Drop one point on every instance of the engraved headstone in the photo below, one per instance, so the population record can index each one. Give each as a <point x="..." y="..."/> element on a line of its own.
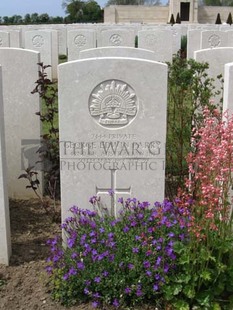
<point x="213" y="39"/>
<point x="158" y="41"/>
<point x="116" y="37"/>
<point x="42" y="41"/>
<point x="118" y="52"/>
<point x="5" y="239"/>
<point x="22" y="126"/>
<point x="79" y="40"/>
<point x="112" y="137"/>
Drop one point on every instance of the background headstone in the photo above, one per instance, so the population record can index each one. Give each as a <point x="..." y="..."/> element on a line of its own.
<point x="213" y="39"/>
<point x="113" y="135"/>
<point x="79" y="40"/>
<point x="116" y="37"/>
<point x="158" y="41"/>
<point x="41" y="41"/>
<point x="5" y="239"/>
<point x="228" y="88"/>
<point x="118" y="52"/>
<point x="216" y="58"/>
<point x="22" y="126"/>
<point x="4" y="39"/>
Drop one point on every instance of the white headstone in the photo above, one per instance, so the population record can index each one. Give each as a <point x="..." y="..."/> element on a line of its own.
<point x="216" y="58"/>
<point x="110" y="51"/>
<point x="79" y="40"/>
<point x="159" y="41"/>
<point x="116" y="37"/>
<point x="4" y="39"/>
<point x="113" y="135"/>
<point x="193" y="42"/>
<point x="5" y="239"/>
<point x="213" y="39"/>
<point x="41" y="41"/>
<point x="228" y="89"/>
<point x="15" y="38"/>
<point x="22" y="126"/>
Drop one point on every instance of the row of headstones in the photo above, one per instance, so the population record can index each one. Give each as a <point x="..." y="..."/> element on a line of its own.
<point x="163" y="40"/>
<point x="112" y="116"/>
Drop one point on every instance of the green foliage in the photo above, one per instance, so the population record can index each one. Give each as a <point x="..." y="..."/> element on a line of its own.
<point x="33" y="18"/>
<point x="49" y="149"/>
<point x="218" y="20"/>
<point x="189" y="90"/>
<point x="172" y="20"/>
<point x="229" y="19"/>
<point x="83" y="11"/>
<point x="178" y="20"/>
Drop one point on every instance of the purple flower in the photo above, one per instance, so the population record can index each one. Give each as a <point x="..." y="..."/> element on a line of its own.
<point x="139" y="292"/>
<point x="65" y="277"/>
<point x="127" y="290"/>
<point x="148" y="273"/>
<point x="125" y="229"/>
<point x="97" y="279"/>
<point x="155" y="287"/>
<point x="80" y="265"/>
<point x="70" y="242"/>
<point x="133" y="224"/>
<point x="116" y="303"/>
<point x="111" y="192"/>
<point x="171" y="235"/>
<point x="135" y="250"/>
<point x="105" y="273"/>
<point x="146" y="264"/>
<point x="95" y="304"/>
<point x="74" y="255"/>
<point x="102" y="230"/>
<point x="86" y="291"/>
<point x="96" y="295"/>
<point x="110" y="235"/>
<point x="72" y="271"/>
<point x="49" y="269"/>
<point x="130" y="266"/>
<point x="92" y="233"/>
<point x="158" y="261"/>
<point x="121" y="200"/>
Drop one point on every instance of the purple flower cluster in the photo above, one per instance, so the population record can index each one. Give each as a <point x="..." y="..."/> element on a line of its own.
<point x="121" y="260"/>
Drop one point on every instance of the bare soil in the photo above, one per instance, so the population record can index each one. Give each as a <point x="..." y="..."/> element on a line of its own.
<point x="23" y="283"/>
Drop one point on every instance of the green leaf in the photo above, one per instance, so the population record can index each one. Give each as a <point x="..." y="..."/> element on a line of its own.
<point x="189" y="291"/>
<point x="181" y="305"/>
<point x="206" y="275"/>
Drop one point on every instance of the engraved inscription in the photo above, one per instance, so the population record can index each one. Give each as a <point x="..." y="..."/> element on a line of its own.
<point x="38" y="41"/>
<point x="113" y="104"/>
<point x="115" y="40"/>
<point x="1" y="42"/>
<point x="214" y="40"/>
<point x="80" y="40"/>
<point x="151" y="39"/>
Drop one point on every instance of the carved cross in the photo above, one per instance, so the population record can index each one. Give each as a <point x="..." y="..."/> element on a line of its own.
<point x="115" y="190"/>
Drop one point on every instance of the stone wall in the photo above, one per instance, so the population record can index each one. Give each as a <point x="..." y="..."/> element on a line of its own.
<point x="136" y="14"/>
<point x="159" y="14"/>
<point x="208" y="14"/>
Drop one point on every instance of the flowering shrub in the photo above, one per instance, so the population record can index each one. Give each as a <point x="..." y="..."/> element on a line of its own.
<point x="119" y="262"/>
<point x="206" y="262"/>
